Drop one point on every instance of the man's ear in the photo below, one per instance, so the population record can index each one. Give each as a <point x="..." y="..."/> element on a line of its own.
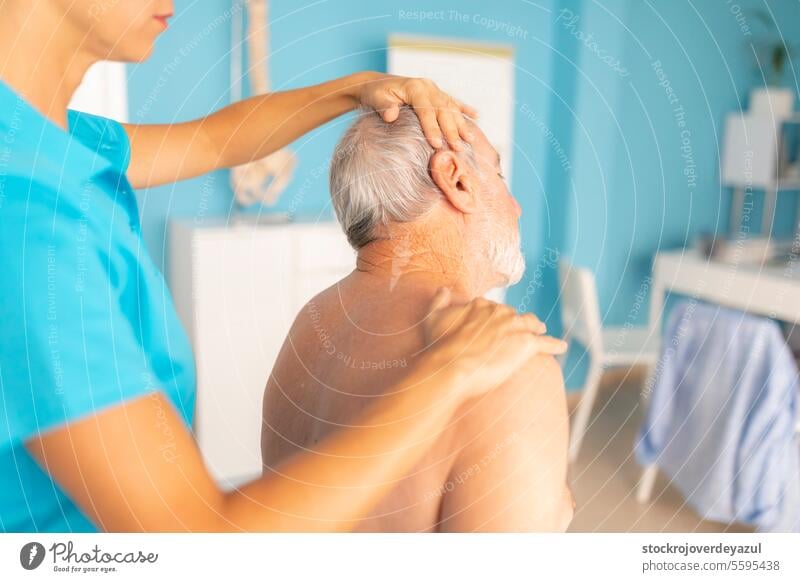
<point x="451" y="174"/>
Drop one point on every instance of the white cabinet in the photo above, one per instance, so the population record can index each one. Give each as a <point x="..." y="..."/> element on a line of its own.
<point x="237" y="289"/>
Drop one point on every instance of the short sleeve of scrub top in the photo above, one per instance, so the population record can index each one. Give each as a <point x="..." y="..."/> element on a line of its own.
<point x="87" y="320"/>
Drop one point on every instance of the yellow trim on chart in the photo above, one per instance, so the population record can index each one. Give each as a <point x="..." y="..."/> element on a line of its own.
<point x="430" y="43"/>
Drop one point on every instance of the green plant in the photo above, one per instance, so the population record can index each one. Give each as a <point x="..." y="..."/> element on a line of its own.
<point x="773" y="50"/>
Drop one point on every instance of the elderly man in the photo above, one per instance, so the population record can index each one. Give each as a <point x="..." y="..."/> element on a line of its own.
<point x="421" y="219"/>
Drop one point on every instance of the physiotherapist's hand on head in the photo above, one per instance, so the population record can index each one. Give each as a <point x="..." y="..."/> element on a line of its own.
<point x="440" y="115"/>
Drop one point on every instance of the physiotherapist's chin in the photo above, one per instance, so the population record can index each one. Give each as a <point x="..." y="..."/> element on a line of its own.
<point x="137" y="47"/>
<point x="135" y="54"/>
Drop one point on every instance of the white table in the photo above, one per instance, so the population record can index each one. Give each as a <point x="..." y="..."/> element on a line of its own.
<point x="770" y="290"/>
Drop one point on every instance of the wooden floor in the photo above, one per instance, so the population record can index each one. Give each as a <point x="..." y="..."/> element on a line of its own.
<point x="605" y="475"/>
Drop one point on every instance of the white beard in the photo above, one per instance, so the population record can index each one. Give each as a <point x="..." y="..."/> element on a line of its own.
<point x="505" y="255"/>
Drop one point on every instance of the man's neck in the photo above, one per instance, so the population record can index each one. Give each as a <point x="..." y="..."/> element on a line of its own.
<point x="42" y="58"/>
<point x="430" y="260"/>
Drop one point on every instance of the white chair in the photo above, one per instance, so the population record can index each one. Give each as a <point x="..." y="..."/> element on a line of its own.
<point x="611" y="347"/>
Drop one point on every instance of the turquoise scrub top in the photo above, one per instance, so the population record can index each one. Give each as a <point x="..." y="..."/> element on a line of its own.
<point x="86" y="319"/>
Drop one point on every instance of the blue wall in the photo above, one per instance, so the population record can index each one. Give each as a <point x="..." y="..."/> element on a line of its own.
<point x="186" y="77"/>
<point x="639" y="180"/>
<point x="598" y="163"/>
<point x="644" y="181"/>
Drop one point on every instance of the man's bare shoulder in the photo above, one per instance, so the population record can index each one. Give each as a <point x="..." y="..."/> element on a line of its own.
<point x="511" y="464"/>
<point x="536" y="388"/>
<point x="316" y="315"/>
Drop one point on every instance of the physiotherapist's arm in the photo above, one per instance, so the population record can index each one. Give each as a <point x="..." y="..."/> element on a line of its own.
<point x="112" y="464"/>
<point x="253" y="128"/>
<point x="114" y="467"/>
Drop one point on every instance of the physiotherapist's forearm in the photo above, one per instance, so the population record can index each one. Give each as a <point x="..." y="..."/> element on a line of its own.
<point x="255" y="127"/>
<point x="337" y="483"/>
<point x="241" y="132"/>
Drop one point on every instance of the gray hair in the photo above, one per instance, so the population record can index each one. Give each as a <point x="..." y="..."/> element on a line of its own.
<point x="380" y="174"/>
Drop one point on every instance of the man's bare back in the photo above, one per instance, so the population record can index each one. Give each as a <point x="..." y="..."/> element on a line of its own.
<point x="499" y="465"/>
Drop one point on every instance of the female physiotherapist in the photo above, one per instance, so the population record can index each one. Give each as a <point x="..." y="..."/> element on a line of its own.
<point x="96" y="374"/>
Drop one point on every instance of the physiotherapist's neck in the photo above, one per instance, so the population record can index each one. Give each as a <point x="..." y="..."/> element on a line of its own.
<point x="41" y="56"/>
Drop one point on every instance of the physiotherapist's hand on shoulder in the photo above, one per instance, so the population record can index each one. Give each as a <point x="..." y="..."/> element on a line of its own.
<point x="489" y="341"/>
<point x="112" y="463"/>
<point x="253" y="128"/>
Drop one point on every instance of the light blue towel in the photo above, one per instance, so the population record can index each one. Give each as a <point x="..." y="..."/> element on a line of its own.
<point x="722" y="417"/>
